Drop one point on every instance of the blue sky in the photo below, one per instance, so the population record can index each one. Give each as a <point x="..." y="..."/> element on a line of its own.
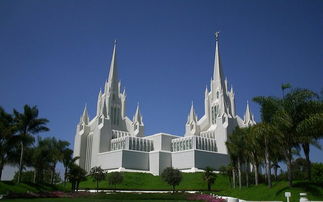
<point x="55" y="54"/>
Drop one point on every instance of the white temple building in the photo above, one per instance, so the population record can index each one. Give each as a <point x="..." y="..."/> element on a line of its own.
<point x="115" y="142"/>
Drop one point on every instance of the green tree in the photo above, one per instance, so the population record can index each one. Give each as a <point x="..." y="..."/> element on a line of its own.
<point x="268" y="137"/>
<point x="57" y="153"/>
<point x="210" y="177"/>
<point x="254" y="151"/>
<point x="7" y="140"/>
<point x="237" y="148"/>
<point x="317" y="172"/>
<point x="310" y="128"/>
<point x="39" y="157"/>
<point x="97" y="175"/>
<point x="115" y="178"/>
<point x="296" y="109"/>
<point x="285" y="86"/>
<point x="67" y="161"/>
<point x="27" y="124"/>
<point x="75" y="175"/>
<point x="172" y="176"/>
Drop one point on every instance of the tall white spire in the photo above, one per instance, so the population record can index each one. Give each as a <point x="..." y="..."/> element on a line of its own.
<point x="113" y="73"/>
<point x="217" y="74"/>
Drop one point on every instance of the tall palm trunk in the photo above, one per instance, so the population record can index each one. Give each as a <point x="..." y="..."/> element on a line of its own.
<point x="275" y="170"/>
<point x="34" y="178"/>
<point x="234" y="178"/>
<point x="268" y="169"/>
<point x="53" y="173"/>
<point x="65" y="173"/>
<point x="306" y="149"/>
<point x="255" y="168"/>
<point x="20" y="161"/>
<point x="1" y="168"/>
<point x="288" y="156"/>
<point x="247" y="174"/>
<point x="239" y="172"/>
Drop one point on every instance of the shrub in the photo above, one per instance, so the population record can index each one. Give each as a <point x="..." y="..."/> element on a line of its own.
<point x="172" y="176"/>
<point x="317" y="172"/>
<point x="115" y="178"/>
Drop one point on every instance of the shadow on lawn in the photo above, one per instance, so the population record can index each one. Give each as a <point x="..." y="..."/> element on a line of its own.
<point x="308" y="187"/>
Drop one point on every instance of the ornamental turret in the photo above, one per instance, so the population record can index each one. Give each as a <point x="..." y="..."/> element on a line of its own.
<point x="138" y="125"/>
<point x="248" y="117"/>
<point x="192" y="127"/>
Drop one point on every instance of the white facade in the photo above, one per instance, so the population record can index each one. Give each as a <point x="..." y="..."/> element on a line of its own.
<point x="114" y="142"/>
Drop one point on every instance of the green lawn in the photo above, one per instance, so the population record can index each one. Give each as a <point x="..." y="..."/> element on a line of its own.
<point x="8" y="186"/>
<point x="116" y="197"/>
<point x="191" y="181"/>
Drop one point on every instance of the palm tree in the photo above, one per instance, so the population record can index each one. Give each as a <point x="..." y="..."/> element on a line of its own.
<point x="310" y="130"/>
<point x="285" y="86"/>
<point x="7" y="142"/>
<point x="209" y="176"/>
<point x="98" y="175"/>
<point x="254" y="151"/>
<point x="27" y="124"/>
<point x="236" y="147"/>
<point x="76" y="174"/>
<point x="287" y="118"/>
<point x="67" y="161"/>
<point x="267" y="135"/>
<point x="57" y="153"/>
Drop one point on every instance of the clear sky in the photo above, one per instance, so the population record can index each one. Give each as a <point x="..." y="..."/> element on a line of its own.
<point x="56" y="53"/>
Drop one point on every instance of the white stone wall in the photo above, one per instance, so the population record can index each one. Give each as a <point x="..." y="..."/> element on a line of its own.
<point x="198" y="159"/>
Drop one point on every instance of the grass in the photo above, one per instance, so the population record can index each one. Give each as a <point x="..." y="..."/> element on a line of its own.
<point x="9" y="186"/>
<point x="116" y="197"/>
<point x="191" y="181"/>
<point x="277" y="192"/>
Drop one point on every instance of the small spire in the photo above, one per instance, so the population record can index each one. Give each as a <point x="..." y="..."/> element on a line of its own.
<point x="248" y="115"/>
<point x="85" y="116"/>
<point x="137" y="117"/>
<point x="192" y="115"/>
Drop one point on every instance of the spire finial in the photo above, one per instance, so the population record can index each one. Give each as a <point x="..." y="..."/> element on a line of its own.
<point x="115" y="42"/>
<point x="217" y="35"/>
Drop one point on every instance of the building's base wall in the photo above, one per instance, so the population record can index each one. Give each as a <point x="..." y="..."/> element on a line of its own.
<point x="128" y="159"/>
<point x="156" y="161"/>
<point x="183" y="159"/>
<point x="211" y="159"/>
<point x="137" y="160"/>
<point x="200" y="159"/>
<point x="159" y="160"/>
<point x="110" y="160"/>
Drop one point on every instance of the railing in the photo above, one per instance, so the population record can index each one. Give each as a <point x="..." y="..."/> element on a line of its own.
<point x="119" y="133"/>
<point x="194" y="142"/>
<point x="132" y="143"/>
